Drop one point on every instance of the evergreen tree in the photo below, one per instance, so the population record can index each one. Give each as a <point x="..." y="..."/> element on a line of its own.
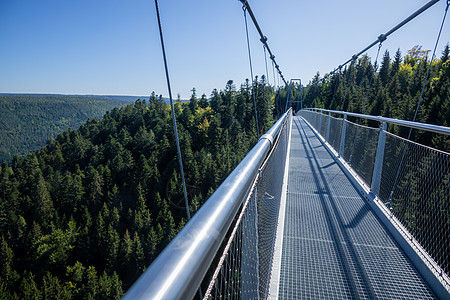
<point x="384" y="69"/>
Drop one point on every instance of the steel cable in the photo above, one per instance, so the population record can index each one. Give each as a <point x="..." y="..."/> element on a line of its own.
<point x="180" y="160"/>
<point x="251" y="68"/>
<point x="371" y="77"/>
<point x="265" y="60"/>
<point x="418" y="104"/>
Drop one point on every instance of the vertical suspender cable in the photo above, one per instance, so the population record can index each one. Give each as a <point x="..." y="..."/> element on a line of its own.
<point x="371" y="77"/>
<point x="278" y="77"/>
<point x="251" y="69"/>
<point x="431" y="62"/>
<point x="173" y="112"/>
<point x="420" y="99"/>
<point x="288" y="97"/>
<point x="273" y="72"/>
<point x="265" y="60"/>
<point x="263" y="39"/>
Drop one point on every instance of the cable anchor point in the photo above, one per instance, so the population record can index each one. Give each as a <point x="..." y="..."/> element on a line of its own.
<point x="244" y="5"/>
<point x="382" y="38"/>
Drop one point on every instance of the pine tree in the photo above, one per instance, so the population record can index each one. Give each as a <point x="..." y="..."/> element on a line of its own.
<point x="384" y="69"/>
<point x="7" y="274"/>
<point x="396" y="63"/>
<point x="445" y="53"/>
<point x="28" y="288"/>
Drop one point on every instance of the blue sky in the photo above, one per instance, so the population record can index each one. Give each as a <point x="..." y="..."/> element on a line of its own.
<point x="112" y="47"/>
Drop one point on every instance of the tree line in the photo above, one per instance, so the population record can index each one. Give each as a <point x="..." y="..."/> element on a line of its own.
<point x="394" y="91"/>
<point x="85" y="215"/>
<point x="28" y="121"/>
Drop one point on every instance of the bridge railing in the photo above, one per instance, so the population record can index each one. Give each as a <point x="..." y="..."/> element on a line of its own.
<point x="412" y="180"/>
<point x="226" y="249"/>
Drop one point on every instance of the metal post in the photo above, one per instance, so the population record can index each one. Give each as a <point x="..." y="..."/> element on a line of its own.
<point x="378" y="165"/>
<point x="341" y="146"/>
<point x="327" y="137"/>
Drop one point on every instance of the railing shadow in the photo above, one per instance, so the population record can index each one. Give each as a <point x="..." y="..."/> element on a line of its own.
<point x="329" y="165"/>
<point x="330" y="210"/>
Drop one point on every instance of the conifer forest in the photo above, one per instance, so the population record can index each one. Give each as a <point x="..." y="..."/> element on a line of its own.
<point x="83" y="216"/>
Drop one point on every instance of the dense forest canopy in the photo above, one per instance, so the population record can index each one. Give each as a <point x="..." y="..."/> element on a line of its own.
<point x="28" y="121"/>
<point x="86" y="214"/>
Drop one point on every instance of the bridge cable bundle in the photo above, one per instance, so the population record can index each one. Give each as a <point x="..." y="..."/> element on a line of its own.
<point x="180" y="160"/>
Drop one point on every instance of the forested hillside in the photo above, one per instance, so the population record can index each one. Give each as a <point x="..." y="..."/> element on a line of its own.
<point x="28" y="121"/>
<point x="395" y="90"/>
<point x="84" y="216"/>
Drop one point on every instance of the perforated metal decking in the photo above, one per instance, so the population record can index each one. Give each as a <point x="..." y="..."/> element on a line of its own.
<point x="334" y="247"/>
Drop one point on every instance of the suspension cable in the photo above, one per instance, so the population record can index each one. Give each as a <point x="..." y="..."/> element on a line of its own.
<point x="273" y="72"/>
<point x="431" y="62"/>
<point x="371" y="77"/>
<point x="251" y="68"/>
<point x="263" y="37"/>
<point x="418" y="104"/>
<point x="278" y="77"/>
<point x="265" y="60"/>
<point x="383" y="37"/>
<point x="173" y="112"/>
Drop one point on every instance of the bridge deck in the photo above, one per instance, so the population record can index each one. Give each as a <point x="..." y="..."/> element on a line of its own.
<point x="334" y="247"/>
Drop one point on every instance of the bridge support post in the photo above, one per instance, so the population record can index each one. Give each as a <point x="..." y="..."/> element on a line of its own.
<point x="341" y="146"/>
<point x="378" y="165"/>
<point x="327" y="136"/>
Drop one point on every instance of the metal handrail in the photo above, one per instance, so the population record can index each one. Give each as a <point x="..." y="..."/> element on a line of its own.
<point x="416" y="125"/>
<point x="179" y="270"/>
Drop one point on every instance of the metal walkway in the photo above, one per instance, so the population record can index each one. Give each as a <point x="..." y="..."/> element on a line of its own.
<point x="334" y="247"/>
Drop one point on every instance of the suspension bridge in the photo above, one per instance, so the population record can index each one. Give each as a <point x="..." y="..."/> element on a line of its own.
<point x="322" y="207"/>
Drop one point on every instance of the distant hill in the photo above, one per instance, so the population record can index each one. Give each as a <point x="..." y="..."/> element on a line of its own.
<point x="110" y="97"/>
<point x="129" y="98"/>
<point x="27" y="121"/>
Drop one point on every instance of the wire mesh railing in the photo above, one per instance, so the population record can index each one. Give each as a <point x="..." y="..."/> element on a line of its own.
<point x="360" y="148"/>
<point x="244" y="270"/>
<point x="420" y="198"/>
<point x="225" y="251"/>
<point x="412" y="180"/>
